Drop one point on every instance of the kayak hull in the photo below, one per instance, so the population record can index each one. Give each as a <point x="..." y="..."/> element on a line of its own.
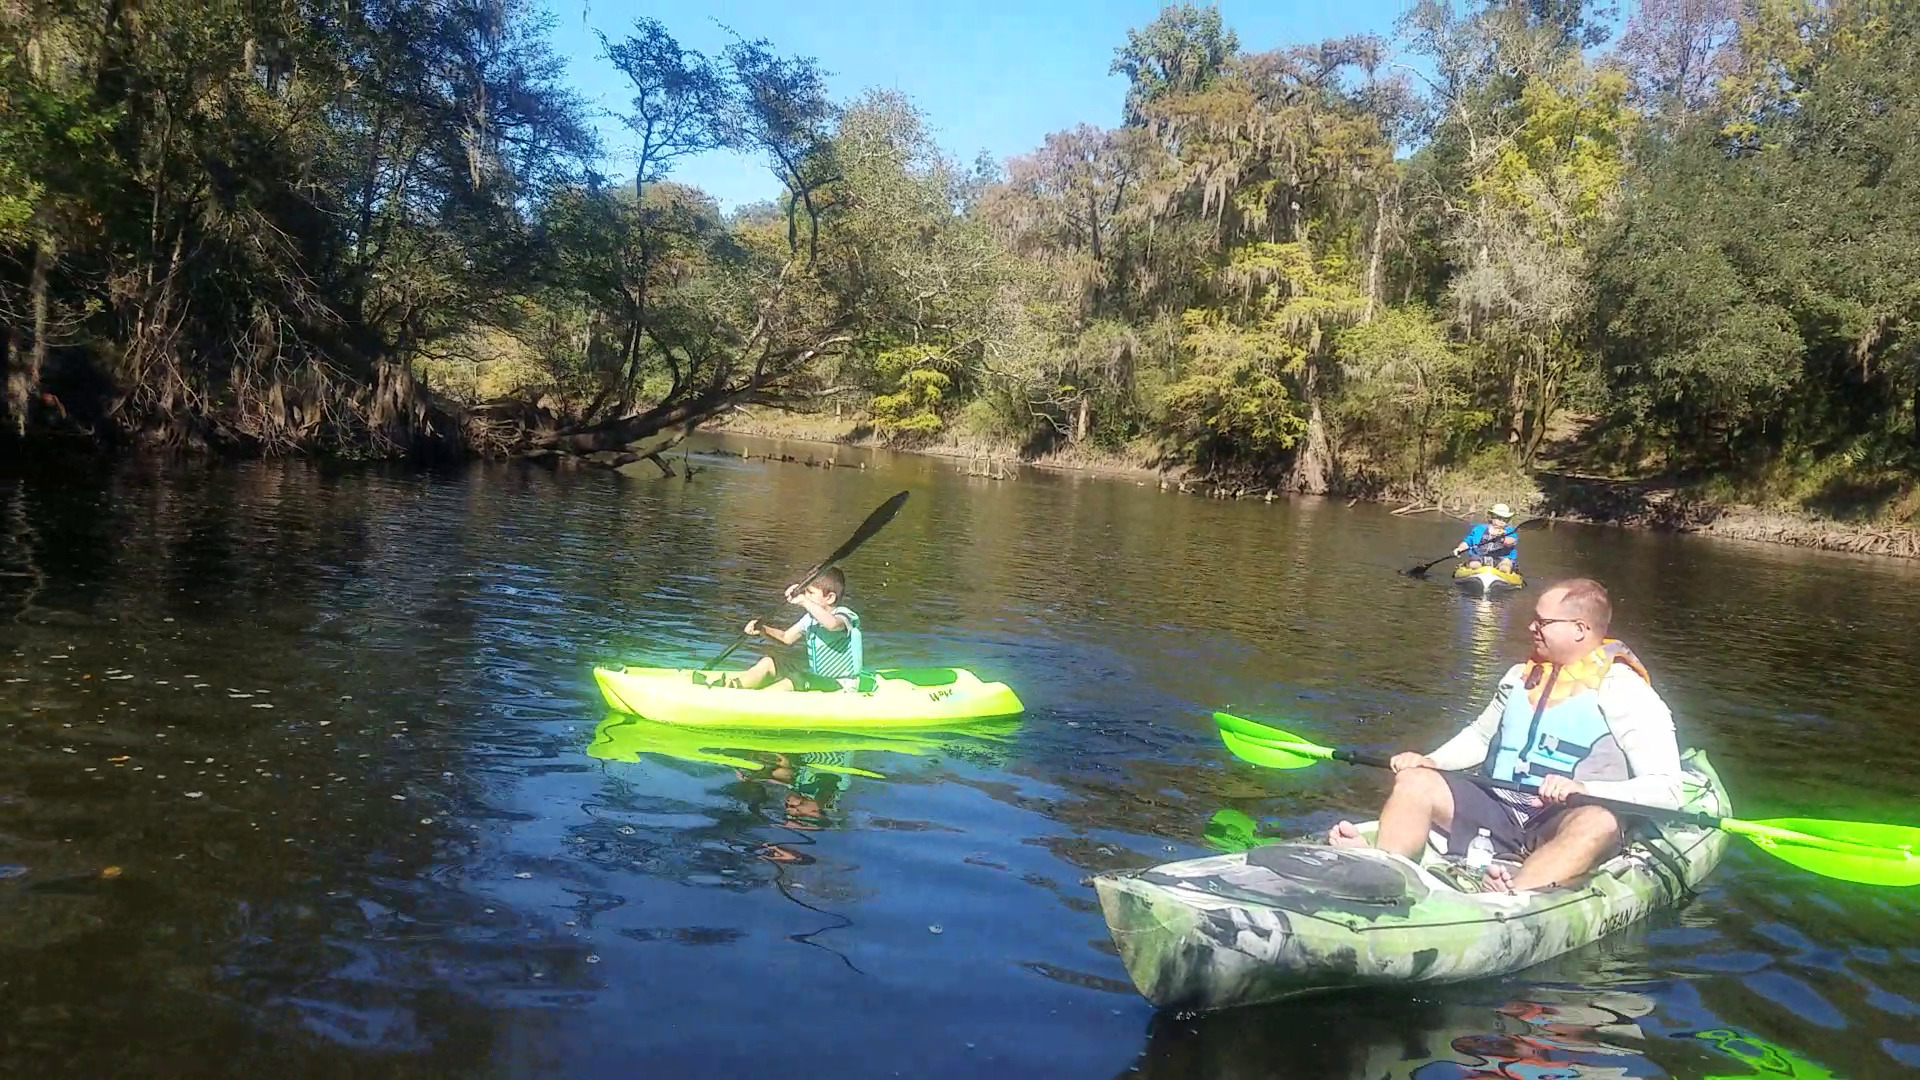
<point x="627" y="738"/>
<point x="902" y="698"/>
<point x="1487" y="579"/>
<point x="1292" y="919"/>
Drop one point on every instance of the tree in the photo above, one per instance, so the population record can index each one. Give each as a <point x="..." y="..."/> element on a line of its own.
<point x="1676" y="50"/>
<point x="1178" y="53"/>
<point x="679" y="100"/>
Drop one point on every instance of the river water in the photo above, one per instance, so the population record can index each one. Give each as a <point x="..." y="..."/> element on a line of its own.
<point x="300" y="773"/>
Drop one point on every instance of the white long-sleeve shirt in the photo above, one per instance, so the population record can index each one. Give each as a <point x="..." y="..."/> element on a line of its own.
<point x="1640" y="722"/>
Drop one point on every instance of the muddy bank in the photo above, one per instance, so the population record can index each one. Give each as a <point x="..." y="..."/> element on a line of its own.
<point x="983" y="457"/>
<point x="1653" y="505"/>
<point x="1561" y="495"/>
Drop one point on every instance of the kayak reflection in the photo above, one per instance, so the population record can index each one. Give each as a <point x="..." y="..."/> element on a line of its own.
<point x="807" y="771"/>
<point x="1552" y="1035"/>
<point x="1547" y="1031"/>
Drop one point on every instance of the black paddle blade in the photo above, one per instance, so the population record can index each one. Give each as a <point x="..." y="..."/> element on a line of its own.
<point x="874" y="523"/>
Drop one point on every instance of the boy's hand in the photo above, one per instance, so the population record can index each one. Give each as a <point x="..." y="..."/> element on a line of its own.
<point x="793" y="593"/>
<point x="753" y="628"/>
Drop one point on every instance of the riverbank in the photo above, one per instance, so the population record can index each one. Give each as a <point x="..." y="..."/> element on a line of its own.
<point x="1879" y="521"/>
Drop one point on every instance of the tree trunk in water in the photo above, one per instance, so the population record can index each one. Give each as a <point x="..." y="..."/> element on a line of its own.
<point x="23" y="369"/>
<point x="1315" y="459"/>
<point x="1082" y="418"/>
<point x="1516" y="414"/>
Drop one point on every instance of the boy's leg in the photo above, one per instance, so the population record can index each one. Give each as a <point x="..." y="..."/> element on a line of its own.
<point x="756" y="676"/>
<point x="1506" y="565"/>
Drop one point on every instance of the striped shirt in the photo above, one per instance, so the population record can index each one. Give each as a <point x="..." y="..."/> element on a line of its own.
<point x="834" y="654"/>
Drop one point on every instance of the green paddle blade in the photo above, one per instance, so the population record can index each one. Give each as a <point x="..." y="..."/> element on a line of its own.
<point x="1885" y="854"/>
<point x="1273" y="738"/>
<point x="1232" y="831"/>
<point x="1265" y="754"/>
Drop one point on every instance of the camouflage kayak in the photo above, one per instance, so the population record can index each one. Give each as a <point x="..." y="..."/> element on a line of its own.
<point x="1283" y="920"/>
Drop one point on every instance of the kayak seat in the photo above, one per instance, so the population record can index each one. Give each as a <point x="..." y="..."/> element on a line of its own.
<point x="1338" y="874"/>
<point x="920" y="676"/>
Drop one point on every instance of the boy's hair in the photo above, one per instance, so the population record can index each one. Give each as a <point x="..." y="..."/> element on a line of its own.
<point x="1590" y="599"/>
<point x="833" y="581"/>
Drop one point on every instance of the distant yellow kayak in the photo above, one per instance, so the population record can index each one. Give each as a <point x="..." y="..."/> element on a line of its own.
<point x="1486" y="578"/>
<point x="899" y="698"/>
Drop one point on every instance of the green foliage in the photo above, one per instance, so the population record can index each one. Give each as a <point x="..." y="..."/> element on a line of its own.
<point x="1233" y="397"/>
<point x="921" y="384"/>
<point x="248" y="225"/>
<point x="1405" y="396"/>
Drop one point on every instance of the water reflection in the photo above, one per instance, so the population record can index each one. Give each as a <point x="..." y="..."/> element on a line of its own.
<point x="1552" y="1032"/>
<point x="336" y="732"/>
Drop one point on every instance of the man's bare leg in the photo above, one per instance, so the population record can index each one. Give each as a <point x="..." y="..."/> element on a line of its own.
<point x="1575" y="844"/>
<point x="1420" y="802"/>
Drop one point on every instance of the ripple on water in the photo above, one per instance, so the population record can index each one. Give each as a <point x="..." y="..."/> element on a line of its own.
<point x="430" y="638"/>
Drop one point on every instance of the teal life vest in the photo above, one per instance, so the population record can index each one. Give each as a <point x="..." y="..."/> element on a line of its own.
<point x="1553" y="725"/>
<point x="835" y="654"/>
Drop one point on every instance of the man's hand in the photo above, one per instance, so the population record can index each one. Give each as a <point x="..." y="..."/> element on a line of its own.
<point x="1558" y="789"/>
<point x="1411" y="760"/>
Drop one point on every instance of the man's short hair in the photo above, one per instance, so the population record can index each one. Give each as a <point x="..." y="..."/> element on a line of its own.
<point x="1589" y="601"/>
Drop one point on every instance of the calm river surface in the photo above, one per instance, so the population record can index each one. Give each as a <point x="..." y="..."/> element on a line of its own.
<point x="299" y="776"/>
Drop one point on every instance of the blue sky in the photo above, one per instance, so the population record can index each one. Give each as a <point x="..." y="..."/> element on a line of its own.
<point x="996" y="76"/>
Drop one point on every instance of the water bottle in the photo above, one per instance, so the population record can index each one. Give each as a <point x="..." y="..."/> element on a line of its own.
<point x="1480" y="852"/>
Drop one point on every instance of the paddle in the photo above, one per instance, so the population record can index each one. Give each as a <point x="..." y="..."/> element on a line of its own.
<point x="874" y="523"/>
<point x="1865" y="852"/>
<point x="1421" y="570"/>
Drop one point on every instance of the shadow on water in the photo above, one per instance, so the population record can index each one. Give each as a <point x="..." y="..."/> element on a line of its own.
<point x="302" y="770"/>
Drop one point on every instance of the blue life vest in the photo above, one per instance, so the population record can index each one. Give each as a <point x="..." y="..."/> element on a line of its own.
<point x="1484" y="541"/>
<point x="1553" y="725"/>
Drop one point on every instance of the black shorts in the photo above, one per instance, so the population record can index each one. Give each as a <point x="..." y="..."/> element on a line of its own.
<point x="1515" y="830"/>
<point x="795" y="670"/>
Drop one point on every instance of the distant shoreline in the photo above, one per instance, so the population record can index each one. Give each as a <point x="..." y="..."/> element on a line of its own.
<point x="1566" y="497"/>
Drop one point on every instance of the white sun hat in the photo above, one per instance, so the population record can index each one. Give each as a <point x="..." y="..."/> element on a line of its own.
<point x="1501" y="510"/>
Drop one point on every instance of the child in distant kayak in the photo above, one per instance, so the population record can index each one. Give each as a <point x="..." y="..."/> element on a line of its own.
<point x="831" y="630"/>
<point x="1495" y="542"/>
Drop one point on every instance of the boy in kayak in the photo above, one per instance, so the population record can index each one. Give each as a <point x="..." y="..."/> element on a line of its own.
<point x="1578" y="718"/>
<point x="1495" y="542"/>
<point x="831" y="630"/>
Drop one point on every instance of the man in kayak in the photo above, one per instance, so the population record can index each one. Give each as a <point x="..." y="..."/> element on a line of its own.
<point x="1495" y="542"/>
<point x="831" y="630"/>
<point x="1578" y="718"/>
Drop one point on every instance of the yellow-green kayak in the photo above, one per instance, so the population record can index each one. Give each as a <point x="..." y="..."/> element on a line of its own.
<point x="899" y="698"/>
<point x="1485" y="579"/>
<point x="623" y="737"/>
